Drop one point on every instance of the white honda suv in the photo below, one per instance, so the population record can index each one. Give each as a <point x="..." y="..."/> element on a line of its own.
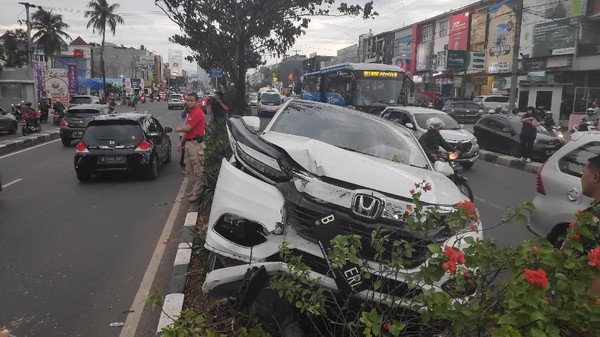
<point x="559" y="186"/>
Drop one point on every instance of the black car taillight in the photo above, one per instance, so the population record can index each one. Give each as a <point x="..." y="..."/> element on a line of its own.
<point x="81" y="148"/>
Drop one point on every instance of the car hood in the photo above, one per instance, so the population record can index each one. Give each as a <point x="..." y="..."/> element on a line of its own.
<point x="324" y="160"/>
<point x="456" y="135"/>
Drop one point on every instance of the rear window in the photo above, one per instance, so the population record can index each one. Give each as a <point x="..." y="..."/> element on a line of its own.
<point x="113" y="133"/>
<point x="574" y="162"/>
<point x="80" y="100"/>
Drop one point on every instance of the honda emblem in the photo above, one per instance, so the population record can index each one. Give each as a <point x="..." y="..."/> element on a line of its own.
<point x="367" y="206"/>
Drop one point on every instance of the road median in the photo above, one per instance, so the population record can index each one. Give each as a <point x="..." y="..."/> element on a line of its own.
<point x="509" y="161"/>
<point x="20" y="143"/>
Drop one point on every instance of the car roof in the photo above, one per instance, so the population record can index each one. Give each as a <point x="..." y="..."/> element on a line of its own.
<point x="88" y="106"/>
<point x="415" y="110"/>
<point x="133" y="116"/>
<point x="485" y="96"/>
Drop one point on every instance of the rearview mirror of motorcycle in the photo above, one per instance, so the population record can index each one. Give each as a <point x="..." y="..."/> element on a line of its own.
<point x="443" y="168"/>
<point x="252" y="123"/>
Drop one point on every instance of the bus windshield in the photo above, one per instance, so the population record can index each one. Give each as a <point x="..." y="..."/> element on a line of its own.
<point x="370" y="91"/>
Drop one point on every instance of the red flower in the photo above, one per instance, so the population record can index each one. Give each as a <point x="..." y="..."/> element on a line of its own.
<point x="594" y="257"/>
<point x="535" y="249"/>
<point x="468" y="208"/>
<point x="536" y="277"/>
<point x="474" y="228"/>
<point x="572" y="224"/>
<point x="412" y="191"/>
<point x="576" y="236"/>
<point x="454" y="258"/>
<point x="386" y="325"/>
<point x="427" y="187"/>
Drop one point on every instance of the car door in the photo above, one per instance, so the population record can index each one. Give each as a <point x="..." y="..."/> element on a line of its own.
<point x="5" y="120"/>
<point x="502" y="136"/>
<point x="157" y="134"/>
<point x="456" y="111"/>
<point x="470" y="112"/>
<point x="485" y="131"/>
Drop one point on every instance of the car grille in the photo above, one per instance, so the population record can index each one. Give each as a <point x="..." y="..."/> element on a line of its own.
<point x="463" y="146"/>
<point x="303" y="221"/>
<point x="390" y="286"/>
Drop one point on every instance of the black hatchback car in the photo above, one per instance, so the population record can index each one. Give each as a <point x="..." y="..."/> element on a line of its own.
<point x="8" y="122"/>
<point x="128" y="142"/>
<point x="463" y="111"/>
<point x="77" y="118"/>
<point x="500" y="133"/>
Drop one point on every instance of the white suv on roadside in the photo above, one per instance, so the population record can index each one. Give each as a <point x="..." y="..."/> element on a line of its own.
<point x="492" y="101"/>
<point x="559" y="186"/>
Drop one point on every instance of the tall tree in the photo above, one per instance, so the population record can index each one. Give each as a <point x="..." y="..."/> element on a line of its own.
<point x="15" y="44"/>
<point x="235" y="35"/>
<point x="102" y="16"/>
<point x="50" y="31"/>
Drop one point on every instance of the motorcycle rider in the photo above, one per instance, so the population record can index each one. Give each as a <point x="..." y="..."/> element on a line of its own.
<point x="59" y="112"/>
<point x="29" y="114"/>
<point x="44" y="107"/>
<point x="589" y="120"/>
<point x="432" y="139"/>
<point x="548" y="121"/>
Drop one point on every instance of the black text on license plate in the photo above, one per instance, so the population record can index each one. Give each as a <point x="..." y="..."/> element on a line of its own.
<point x="77" y="133"/>
<point x="111" y="159"/>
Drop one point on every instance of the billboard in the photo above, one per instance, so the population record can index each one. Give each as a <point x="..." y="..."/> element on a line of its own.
<point x="501" y="36"/>
<point x="56" y="85"/>
<point x="478" y="25"/>
<point x="402" y="51"/>
<point x="424" y="56"/>
<point x="175" y="62"/>
<point x="458" y="31"/>
<point x="548" y="20"/>
<point x="466" y="60"/>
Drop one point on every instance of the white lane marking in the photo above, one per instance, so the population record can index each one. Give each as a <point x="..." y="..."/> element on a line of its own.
<point x="12" y="182"/>
<point x="29" y="148"/>
<point x="490" y="203"/>
<point x="133" y="319"/>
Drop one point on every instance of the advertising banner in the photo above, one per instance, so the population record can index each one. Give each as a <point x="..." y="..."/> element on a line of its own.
<point x="402" y="50"/>
<point x="127" y="85"/>
<point x="175" y="62"/>
<point x="424" y="56"/>
<point x="72" y="75"/>
<point x="39" y="80"/>
<point x="56" y="84"/>
<point x="500" y="38"/>
<point x="478" y="25"/>
<point x="466" y="60"/>
<point x="458" y="31"/>
<point x="554" y="38"/>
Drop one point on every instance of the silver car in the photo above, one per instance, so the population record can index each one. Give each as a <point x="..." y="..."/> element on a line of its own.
<point x="558" y="185"/>
<point x="414" y="118"/>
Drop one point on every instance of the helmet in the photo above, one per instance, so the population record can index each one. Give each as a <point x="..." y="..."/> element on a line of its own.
<point x="28" y="103"/>
<point x="590" y="111"/>
<point x="431" y="122"/>
<point x="548" y="112"/>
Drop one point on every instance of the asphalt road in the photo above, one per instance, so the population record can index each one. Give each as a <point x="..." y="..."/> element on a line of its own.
<point x="72" y="255"/>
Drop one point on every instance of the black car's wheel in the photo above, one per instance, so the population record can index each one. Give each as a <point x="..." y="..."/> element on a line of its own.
<point x="83" y="176"/>
<point x="153" y="169"/>
<point x="65" y="141"/>
<point x="168" y="160"/>
<point x="13" y="129"/>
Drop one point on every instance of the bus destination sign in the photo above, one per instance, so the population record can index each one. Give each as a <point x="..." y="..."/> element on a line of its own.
<point x="376" y="73"/>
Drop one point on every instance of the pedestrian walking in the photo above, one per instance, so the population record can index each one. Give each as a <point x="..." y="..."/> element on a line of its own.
<point x="528" y="134"/>
<point x="193" y="139"/>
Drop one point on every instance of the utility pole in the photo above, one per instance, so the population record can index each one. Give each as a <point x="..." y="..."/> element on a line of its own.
<point x="514" y="78"/>
<point x="27" y="6"/>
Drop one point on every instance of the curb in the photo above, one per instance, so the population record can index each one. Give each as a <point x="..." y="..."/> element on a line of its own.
<point x="173" y="303"/>
<point x="509" y="161"/>
<point x="28" y="141"/>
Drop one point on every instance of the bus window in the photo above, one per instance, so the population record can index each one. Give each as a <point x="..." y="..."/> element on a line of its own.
<point x="310" y="89"/>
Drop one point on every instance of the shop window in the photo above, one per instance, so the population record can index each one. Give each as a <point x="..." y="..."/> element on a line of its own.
<point x="544" y="98"/>
<point x="427" y="33"/>
<point x="11" y="90"/>
<point x="443" y="28"/>
<point x="523" y="100"/>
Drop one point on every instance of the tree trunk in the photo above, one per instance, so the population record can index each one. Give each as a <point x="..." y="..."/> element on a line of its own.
<point x="102" y="66"/>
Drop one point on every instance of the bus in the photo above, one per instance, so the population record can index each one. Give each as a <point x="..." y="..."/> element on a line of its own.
<point x="368" y="87"/>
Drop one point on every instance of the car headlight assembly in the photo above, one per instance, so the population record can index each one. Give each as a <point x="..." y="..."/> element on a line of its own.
<point x="259" y="163"/>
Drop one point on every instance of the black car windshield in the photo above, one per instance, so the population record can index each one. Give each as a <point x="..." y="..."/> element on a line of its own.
<point x="351" y="130"/>
<point x="270" y="98"/>
<point x="113" y="133"/>
<point x="80" y="100"/>
<point x="450" y="123"/>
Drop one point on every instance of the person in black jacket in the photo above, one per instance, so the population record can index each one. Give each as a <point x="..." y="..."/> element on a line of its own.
<point x="432" y="139"/>
<point x="528" y="134"/>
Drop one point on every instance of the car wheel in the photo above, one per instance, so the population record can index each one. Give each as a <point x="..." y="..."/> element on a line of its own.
<point x="168" y="160"/>
<point x="24" y="131"/>
<point x="168" y="108"/>
<point x="13" y="129"/>
<point x="466" y="190"/>
<point x="66" y="141"/>
<point x="467" y="165"/>
<point x="83" y="176"/>
<point x="153" y="169"/>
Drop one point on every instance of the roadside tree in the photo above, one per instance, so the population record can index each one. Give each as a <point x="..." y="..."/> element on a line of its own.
<point x="102" y="16"/>
<point x="50" y="33"/>
<point x="235" y="35"/>
<point x="15" y="45"/>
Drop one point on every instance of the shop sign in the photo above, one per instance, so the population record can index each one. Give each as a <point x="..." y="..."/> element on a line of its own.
<point x="501" y="37"/>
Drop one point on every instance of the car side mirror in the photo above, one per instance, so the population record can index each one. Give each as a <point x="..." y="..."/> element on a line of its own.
<point x="252" y="123"/>
<point x="168" y="129"/>
<point x="443" y="168"/>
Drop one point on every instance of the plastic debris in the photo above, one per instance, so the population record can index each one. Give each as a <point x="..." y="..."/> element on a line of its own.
<point x="117" y="324"/>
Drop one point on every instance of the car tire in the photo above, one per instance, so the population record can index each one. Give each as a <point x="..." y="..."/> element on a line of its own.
<point x="83" y="176"/>
<point x="168" y="108"/>
<point x="66" y="141"/>
<point x="169" y="153"/>
<point x="24" y="131"/>
<point x="152" y="172"/>
<point x="14" y="129"/>
<point x="467" y="165"/>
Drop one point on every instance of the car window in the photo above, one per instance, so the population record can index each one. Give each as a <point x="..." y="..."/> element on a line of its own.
<point x="497" y="99"/>
<point x="80" y="100"/>
<point x="470" y="105"/>
<point x="393" y="115"/>
<point x="494" y="123"/>
<point x="478" y="99"/>
<point x="113" y="133"/>
<point x="268" y="97"/>
<point x="175" y="97"/>
<point x="449" y="122"/>
<point x="84" y="111"/>
<point x="351" y="130"/>
<point x="574" y="162"/>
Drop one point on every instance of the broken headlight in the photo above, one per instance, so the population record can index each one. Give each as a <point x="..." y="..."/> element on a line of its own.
<point x="259" y="163"/>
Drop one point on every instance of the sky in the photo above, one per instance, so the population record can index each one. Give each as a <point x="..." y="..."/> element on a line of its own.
<point x="145" y="24"/>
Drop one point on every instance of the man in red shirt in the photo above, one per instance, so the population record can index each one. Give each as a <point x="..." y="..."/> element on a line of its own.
<point x="193" y="139"/>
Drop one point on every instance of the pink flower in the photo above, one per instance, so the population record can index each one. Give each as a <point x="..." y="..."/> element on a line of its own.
<point x="535" y="249"/>
<point x="536" y="277"/>
<point x="427" y="187"/>
<point x="594" y="257"/>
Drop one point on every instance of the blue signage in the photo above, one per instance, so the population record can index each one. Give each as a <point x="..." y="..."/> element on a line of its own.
<point x="215" y="73"/>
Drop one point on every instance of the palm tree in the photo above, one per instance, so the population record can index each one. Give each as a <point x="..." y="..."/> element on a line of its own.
<point x="50" y="31"/>
<point x="102" y="16"/>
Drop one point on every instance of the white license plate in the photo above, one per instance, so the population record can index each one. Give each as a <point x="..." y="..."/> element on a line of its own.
<point x="112" y="159"/>
<point x="77" y="133"/>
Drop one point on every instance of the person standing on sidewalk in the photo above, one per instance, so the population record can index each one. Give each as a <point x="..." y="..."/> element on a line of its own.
<point x="528" y="134"/>
<point x="194" y="145"/>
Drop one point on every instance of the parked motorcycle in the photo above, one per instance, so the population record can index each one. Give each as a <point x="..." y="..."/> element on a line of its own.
<point x="29" y="126"/>
<point x="459" y="180"/>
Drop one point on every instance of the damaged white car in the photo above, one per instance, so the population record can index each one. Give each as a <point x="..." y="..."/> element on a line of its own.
<point x="315" y="159"/>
